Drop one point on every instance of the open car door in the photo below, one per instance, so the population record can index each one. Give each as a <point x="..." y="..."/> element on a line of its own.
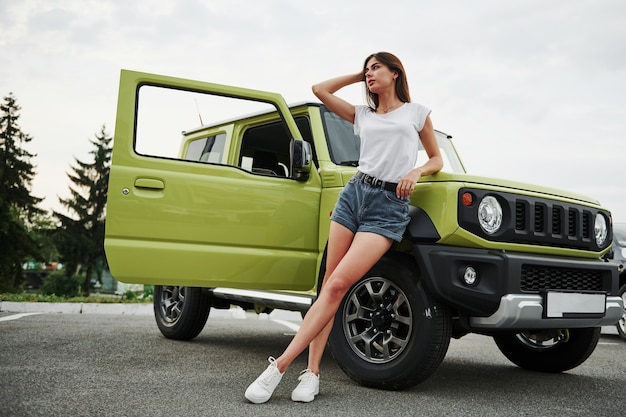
<point x="191" y="209"/>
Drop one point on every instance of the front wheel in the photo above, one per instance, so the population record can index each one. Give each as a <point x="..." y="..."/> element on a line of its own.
<point x="549" y="350"/>
<point x="180" y="312"/>
<point x="621" y="324"/>
<point x="388" y="332"/>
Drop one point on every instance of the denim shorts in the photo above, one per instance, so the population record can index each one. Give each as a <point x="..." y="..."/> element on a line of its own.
<point x="364" y="208"/>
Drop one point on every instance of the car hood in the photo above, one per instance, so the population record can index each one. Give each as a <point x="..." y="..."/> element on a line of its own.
<point x="511" y="185"/>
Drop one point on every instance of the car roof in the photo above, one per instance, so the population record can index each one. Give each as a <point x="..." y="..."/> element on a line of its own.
<point x="248" y="116"/>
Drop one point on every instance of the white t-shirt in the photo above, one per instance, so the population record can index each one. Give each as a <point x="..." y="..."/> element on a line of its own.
<point x="389" y="142"/>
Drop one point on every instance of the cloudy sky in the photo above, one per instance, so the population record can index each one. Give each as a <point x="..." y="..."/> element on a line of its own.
<point x="531" y="90"/>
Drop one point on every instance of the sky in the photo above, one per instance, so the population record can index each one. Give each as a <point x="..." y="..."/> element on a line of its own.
<point x="531" y="90"/>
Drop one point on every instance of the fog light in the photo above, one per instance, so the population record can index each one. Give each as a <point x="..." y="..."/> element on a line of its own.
<point x="470" y="275"/>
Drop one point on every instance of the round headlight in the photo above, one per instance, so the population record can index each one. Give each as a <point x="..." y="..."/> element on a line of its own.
<point x="600" y="230"/>
<point x="490" y="215"/>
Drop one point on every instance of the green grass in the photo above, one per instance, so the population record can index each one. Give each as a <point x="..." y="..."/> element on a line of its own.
<point x="39" y="298"/>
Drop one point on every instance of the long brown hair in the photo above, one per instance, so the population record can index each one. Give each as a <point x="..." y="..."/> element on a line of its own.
<point x="394" y="64"/>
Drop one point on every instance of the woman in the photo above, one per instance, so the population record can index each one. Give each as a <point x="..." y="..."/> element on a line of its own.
<point x="372" y="210"/>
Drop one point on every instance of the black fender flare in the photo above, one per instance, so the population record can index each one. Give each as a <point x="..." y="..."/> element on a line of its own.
<point x="420" y="228"/>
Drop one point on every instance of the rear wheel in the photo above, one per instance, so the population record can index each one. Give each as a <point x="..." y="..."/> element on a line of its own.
<point x="180" y="312"/>
<point x="549" y="350"/>
<point x="621" y="324"/>
<point x="388" y="332"/>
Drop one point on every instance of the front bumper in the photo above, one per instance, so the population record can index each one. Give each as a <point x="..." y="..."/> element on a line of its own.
<point x="519" y="311"/>
<point x="510" y="287"/>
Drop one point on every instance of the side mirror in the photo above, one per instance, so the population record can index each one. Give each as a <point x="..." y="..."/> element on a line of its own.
<point x="300" y="153"/>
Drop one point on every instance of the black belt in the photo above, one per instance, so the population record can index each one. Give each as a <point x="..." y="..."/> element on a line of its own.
<point x="375" y="182"/>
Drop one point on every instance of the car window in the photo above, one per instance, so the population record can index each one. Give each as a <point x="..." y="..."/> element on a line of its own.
<point x="344" y="146"/>
<point x="265" y="150"/>
<point x="165" y="115"/>
<point x="265" y="147"/>
<point x="208" y="149"/>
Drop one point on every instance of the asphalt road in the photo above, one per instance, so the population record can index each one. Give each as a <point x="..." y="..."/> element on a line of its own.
<point x="120" y="365"/>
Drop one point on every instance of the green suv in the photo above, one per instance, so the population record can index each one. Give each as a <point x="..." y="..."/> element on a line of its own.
<point x="236" y="212"/>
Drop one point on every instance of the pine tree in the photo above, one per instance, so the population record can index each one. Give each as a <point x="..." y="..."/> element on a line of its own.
<point x="17" y="206"/>
<point x="80" y="239"/>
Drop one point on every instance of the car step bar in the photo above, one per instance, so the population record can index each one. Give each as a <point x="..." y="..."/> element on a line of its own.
<point x="271" y="299"/>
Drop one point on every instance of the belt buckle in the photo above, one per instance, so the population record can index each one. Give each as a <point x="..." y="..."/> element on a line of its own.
<point x="373" y="181"/>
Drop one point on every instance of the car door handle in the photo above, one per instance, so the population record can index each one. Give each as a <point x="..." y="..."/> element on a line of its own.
<point x="150" y="183"/>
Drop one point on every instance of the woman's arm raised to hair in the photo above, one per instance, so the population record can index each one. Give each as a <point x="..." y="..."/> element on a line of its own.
<point x="325" y="92"/>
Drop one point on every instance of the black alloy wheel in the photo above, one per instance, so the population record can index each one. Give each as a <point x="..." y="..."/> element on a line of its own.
<point x="181" y="312"/>
<point x="388" y="332"/>
<point x="549" y="350"/>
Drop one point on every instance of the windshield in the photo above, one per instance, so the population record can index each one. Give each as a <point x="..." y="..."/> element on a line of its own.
<point x="344" y="145"/>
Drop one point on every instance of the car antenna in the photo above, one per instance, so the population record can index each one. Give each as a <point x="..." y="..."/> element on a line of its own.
<point x="199" y="115"/>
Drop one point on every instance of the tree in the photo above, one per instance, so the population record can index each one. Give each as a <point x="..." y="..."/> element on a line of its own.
<point x="17" y="206"/>
<point x="80" y="240"/>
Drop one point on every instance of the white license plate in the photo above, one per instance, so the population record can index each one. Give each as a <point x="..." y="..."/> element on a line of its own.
<point x="574" y="304"/>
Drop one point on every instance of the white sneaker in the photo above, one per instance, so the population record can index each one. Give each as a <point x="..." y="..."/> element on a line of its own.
<point x="308" y="387"/>
<point x="263" y="387"/>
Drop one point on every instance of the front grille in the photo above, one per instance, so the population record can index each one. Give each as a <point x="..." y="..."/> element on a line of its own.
<point x="572" y="222"/>
<point x="562" y="225"/>
<point x="539" y="218"/>
<point x="538" y="221"/>
<point x="538" y="278"/>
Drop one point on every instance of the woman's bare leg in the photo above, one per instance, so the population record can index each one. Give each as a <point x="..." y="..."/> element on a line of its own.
<point x="366" y="249"/>
<point x="339" y="241"/>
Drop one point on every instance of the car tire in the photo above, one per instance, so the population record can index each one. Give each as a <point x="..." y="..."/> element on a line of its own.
<point x="621" y="324"/>
<point x="181" y="312"/>
<point x="549" y="350"/>
<point x="388" y="332"/>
